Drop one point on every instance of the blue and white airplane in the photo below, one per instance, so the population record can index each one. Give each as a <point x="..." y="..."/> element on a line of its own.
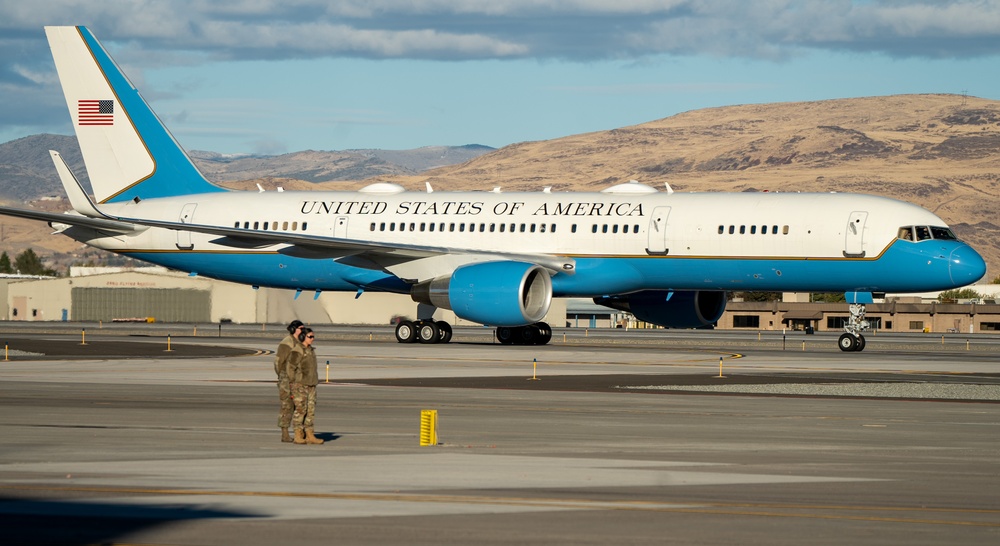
<point x="491" y="257"/>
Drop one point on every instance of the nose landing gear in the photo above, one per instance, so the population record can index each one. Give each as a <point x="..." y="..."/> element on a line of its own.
<point x="853" y="340"/>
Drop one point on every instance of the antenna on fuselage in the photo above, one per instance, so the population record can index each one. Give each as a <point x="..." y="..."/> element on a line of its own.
<point x="429" y="188"/>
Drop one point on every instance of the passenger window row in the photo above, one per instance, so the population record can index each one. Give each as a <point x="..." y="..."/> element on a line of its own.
<point x="272" y="226"/>
<point x="462" y="227"/>
<point x="494" y="227"/>
<point x="752" y="230"/>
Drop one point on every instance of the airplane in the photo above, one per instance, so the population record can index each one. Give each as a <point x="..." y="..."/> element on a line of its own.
<point x="492" y="257"/>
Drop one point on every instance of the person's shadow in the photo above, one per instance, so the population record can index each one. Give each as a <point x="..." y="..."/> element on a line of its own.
<point x="327" y="436"/>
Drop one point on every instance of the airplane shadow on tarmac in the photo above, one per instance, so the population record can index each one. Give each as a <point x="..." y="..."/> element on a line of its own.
<point x="30" y="521"/>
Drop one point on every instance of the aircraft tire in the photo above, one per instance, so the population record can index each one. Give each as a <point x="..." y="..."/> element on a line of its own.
<point x="505" y="335"/>
<point x="544" y="333"/>
<point x="861" y="343"/>
<point x="406" y="332"/>
<point x="427" y="332"/>
<point x="527" y="335"/>
<point x="444" y="329"/>
<point x="847" y="343"/>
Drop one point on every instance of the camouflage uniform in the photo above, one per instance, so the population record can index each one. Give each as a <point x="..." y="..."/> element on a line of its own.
<point x="303" y="376"/>
<point x="284" y="390"/>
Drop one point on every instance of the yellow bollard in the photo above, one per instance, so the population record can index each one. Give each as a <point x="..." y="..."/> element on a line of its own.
<point x="720" y="368"/>
<point x="83" y="337"/>
<point x="942" y="340"/>
<point x="327" y="371"/>
<point x="803" y="345"/>
<point x="534" y="368"/>
<point x="966" y="345"/>
<point x="758" y="336"/>
<point x="5" y="349"/>
<point x="168" y="344"/>
<point x="564" y="337"/>
<point x="195" y="331"/>
<point x="428" y="427"/>
<point x="369" y="336"/>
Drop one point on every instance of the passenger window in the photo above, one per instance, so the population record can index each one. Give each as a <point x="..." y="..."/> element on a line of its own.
<point x="753" y="230"/>
<point x="722" y="229"/>
<point x="784" y="230"/>
<point x="572" y="228"/>
<point x="732" y="230"/>
<point x="304" y="224"/>
<point x="295" y="226"/>
<point x="905" y="233"/>
<point x="774" y="230"/>
<point x="743" y="230"/>
<point x="256" y="225"/>
<point x="284" y="226"/>
<point x="237" y="224"/>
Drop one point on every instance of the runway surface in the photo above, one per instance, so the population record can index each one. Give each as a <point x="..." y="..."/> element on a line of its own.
<point x="618" y="440"/>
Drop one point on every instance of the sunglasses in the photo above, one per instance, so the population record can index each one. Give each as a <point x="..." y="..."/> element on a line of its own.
<point x="310" y="337"/>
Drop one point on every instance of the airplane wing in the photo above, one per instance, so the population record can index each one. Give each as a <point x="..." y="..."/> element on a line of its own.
<point x="72" y="219"/>
<point x="409" y="262"/>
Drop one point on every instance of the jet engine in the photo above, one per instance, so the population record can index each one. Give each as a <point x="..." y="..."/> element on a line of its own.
<point x="672" y="309"/>
<point x="495" y="293"/>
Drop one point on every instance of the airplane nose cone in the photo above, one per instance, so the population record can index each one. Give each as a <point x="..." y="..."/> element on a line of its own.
<point x="966" y="266"/>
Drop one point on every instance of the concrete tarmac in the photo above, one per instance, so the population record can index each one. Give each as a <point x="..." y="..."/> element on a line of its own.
<point x="612" y="443"/>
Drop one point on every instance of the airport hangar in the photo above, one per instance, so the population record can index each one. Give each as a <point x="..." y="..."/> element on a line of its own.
<point x="109" y="294"/>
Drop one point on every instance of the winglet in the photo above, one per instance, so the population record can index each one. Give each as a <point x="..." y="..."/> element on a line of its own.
<point x="78" y="197"/>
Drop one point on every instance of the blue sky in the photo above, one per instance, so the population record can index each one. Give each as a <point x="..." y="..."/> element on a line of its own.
<point x="265" y="76"/>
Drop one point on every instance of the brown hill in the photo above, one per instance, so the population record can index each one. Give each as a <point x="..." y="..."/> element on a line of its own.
<point x="939" y="151"/>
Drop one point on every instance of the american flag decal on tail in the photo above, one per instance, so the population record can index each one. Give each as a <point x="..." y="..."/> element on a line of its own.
<point x="96" y="112"/>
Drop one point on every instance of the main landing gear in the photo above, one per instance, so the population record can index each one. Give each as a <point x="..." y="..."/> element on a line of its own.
<point x="853" y="340"/>
<point x="423" y="331"/>
<point x="538" y="333"/>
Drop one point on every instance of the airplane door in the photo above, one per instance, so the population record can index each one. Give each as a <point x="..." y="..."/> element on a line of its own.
<point x="186" y="217"/>
<point x="854" y="242"/>
<point x="657" y="242"/>
<point x="340" y="227"/>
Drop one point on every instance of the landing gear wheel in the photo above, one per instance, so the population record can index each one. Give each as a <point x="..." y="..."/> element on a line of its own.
<point x="861" y="343"/>
<point x="528" y="335"/>
<point x="848" y="343"/>
<point x="505" y="335"/>
<point x="544" y="333"/>
<point x="444" y="332"/>
<point x="427" y="332"/>
<point x="405" y="332"/>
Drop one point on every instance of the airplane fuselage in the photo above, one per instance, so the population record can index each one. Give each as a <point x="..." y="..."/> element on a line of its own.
<point x="619" y="242"/>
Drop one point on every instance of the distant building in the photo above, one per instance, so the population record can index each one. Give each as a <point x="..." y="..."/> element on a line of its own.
<point x="108" y="294"/>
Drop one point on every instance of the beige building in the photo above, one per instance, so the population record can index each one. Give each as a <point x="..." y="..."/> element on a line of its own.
<point x="892" y="316"/>
<point x="169" y="296"/>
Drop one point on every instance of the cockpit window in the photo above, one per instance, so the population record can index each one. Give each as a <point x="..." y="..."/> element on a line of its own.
<point x="923" y="233"/>
<point x="943" y="233"/>
<point x="905" y="233"/>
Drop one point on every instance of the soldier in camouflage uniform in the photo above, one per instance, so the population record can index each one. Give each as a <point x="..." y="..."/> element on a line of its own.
<point x="303" y="376"/>
<point x="281" y="370"/>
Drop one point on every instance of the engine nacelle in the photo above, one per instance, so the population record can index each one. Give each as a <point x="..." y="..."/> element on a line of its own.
<point x="672" y="309"/>
<point x="494" y="293"/>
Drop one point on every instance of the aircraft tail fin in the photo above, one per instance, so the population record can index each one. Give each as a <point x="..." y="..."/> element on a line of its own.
<point x="128" y="152"/>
